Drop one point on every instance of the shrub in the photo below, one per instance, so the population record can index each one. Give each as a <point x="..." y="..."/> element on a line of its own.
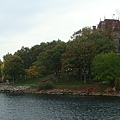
<point x="45" y="86"/>
<point x="117" y="84"/>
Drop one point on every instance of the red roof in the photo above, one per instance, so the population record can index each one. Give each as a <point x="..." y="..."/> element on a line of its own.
<point x="115" y="24"/>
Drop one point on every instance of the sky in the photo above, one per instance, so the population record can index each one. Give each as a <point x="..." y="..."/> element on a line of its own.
<point x="31" y="22"/>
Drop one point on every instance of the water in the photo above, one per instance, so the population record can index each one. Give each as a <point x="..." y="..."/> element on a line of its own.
<point x="57" y="107"/>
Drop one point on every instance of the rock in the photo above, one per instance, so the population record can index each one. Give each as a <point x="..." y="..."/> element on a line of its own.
<point x="9" y="88"/>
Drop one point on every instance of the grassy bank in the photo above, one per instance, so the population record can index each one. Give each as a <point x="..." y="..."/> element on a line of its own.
<point x="64" y="83"/>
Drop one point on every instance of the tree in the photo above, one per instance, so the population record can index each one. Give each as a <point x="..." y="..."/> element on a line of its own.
<point x="1" y="68"/>
<point x="104" y="45"/>
<point x="87" y="51"/>
<point x="104" y="40"/>
<point x="32" y="72"/>
<point x="36" y="50"/>
<point x="13" y="67"/>
<point x="106" y="66"/>
<point x="49" y="61"/>
<point x="25" y="56"/>
<point x="79" y="55"/>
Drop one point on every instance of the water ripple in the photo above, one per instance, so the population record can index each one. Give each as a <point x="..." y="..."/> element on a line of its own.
<point x="57" y="107"/>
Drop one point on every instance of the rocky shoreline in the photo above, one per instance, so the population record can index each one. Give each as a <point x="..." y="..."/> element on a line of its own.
<point x="27" y="89"/>
<point x="72" y="92"/>
<point x="9" y="88"/>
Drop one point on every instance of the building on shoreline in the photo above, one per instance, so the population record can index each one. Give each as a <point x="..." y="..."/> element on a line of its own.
<point x="115" y="26"/>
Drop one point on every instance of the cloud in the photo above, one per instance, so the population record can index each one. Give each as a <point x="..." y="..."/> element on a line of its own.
<point x="27" y="22"/>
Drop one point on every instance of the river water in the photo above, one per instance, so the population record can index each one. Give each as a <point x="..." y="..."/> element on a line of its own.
<point x="58" y="107"/>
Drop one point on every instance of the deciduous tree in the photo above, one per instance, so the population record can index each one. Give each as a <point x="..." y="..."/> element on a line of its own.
<point x="106" y="66"/>
<point x="13" y="67"/>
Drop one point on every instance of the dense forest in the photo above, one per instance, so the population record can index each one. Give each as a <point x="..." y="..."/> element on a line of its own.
<point x="90" y="55"/>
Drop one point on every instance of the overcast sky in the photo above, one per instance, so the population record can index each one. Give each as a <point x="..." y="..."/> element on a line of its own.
<point x="30" y="22"/>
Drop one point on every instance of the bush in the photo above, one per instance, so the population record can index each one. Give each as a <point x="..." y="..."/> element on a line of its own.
<point x="117" y="84"/>
<point x="45" y="86"/>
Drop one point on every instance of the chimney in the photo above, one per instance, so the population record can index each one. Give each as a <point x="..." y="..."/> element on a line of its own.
<point x="94" y="27"/>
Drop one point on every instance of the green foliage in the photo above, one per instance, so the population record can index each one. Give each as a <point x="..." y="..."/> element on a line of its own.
<point x="106" y="66"/>
<point x="1" y="68"/>
<point x="49" y="61"/>
<point x="45" y="85"/>
<point x="117" y="84"/>
<point x="25" y="56"/>
<point x="12" y="67"/>
<point x="73" y="58"/>
<point x="104" y="45"/>
<point x="85" y="45"/>
<point x="103" y="39"/>
<point x="79" y="55"/>
<point x="32" y="72"/>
